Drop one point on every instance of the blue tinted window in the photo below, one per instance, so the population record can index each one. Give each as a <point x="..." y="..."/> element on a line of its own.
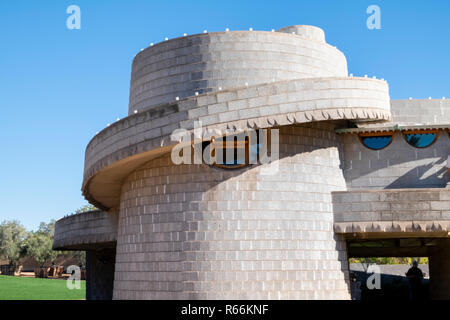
<point x="376" y="142"/>
<point x="420" y="140"/>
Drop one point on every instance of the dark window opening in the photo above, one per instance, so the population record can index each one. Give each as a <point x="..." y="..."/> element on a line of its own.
<point x="239" y="150"/>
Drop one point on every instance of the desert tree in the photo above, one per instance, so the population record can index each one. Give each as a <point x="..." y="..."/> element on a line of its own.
<point x="12" y="241"/>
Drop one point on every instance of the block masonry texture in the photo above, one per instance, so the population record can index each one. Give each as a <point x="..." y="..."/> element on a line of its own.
<point x="206" y="62"/>
<point x="397" y="166"/>
<point x="415" y="210"/>
<point x="197" y="232"/>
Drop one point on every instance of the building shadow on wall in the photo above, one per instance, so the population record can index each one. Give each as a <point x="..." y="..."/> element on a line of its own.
<point x="215" y="176"/>
<point x="413" y="178"/>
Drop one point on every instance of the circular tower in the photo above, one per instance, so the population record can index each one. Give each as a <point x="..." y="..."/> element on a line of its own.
<point x="202" y="231"/>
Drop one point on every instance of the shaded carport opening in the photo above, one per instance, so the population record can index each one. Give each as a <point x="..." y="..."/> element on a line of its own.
<point x="100" y="268"/>
<point x="394" y="283"/>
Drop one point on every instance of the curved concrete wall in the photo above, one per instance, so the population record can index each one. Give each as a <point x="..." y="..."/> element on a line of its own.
<point x="85" y="230"/>
<point x="307" y="32"/>
<point x="198" y="232"/>
<point x="194" y="231"/>
<point x="261" y="106"/>
<point x="399" y="165"/>
<point x="94" y="232"/>
<point x="205" y="62"/>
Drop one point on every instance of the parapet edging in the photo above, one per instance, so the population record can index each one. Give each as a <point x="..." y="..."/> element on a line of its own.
<point x="85" y="229"/>
<point x="256" y="123"/>
<point x="209" y="61"/>
<point x="392" y="211"/>
<point x="394" y="226"/>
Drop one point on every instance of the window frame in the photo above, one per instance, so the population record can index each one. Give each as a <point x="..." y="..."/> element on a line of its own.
<point x="224" y="147"/>
<point x="376" y="134"/>
<point x="421" y="131"/>
<point x="247" y="150"/>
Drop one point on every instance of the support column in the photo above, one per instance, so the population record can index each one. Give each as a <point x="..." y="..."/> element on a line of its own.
<point x="100" y="266"/>
<point x="440" y="271"/>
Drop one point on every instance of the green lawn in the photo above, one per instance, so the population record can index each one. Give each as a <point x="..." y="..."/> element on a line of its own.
<point x="16" y="288"/>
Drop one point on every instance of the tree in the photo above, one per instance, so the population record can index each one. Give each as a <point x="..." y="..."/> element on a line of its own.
<point x="86" y="208"/>
<point x="12" y="237"/>
<point x="39" y="243"/>
<point x="81" y="257"/>
<point x="47" y="228"/>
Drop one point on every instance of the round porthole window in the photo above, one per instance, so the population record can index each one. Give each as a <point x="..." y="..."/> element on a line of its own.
<point x="376" y="141"/>
<point x="421" y="139"/>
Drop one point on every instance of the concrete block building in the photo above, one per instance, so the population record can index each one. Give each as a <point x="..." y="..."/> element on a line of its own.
<point x="357" y="175"/>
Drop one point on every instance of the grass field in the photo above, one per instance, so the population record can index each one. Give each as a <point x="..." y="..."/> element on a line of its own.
<point x="17" y="288"/>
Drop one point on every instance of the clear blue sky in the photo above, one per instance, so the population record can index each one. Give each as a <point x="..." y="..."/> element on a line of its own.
<point x="58" y="87"/>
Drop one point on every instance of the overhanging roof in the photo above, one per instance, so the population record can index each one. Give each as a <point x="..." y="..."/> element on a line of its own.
<point x="396" y="127"/>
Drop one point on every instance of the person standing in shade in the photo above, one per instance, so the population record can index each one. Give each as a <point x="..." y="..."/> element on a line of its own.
<point x="415" y="277"/>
